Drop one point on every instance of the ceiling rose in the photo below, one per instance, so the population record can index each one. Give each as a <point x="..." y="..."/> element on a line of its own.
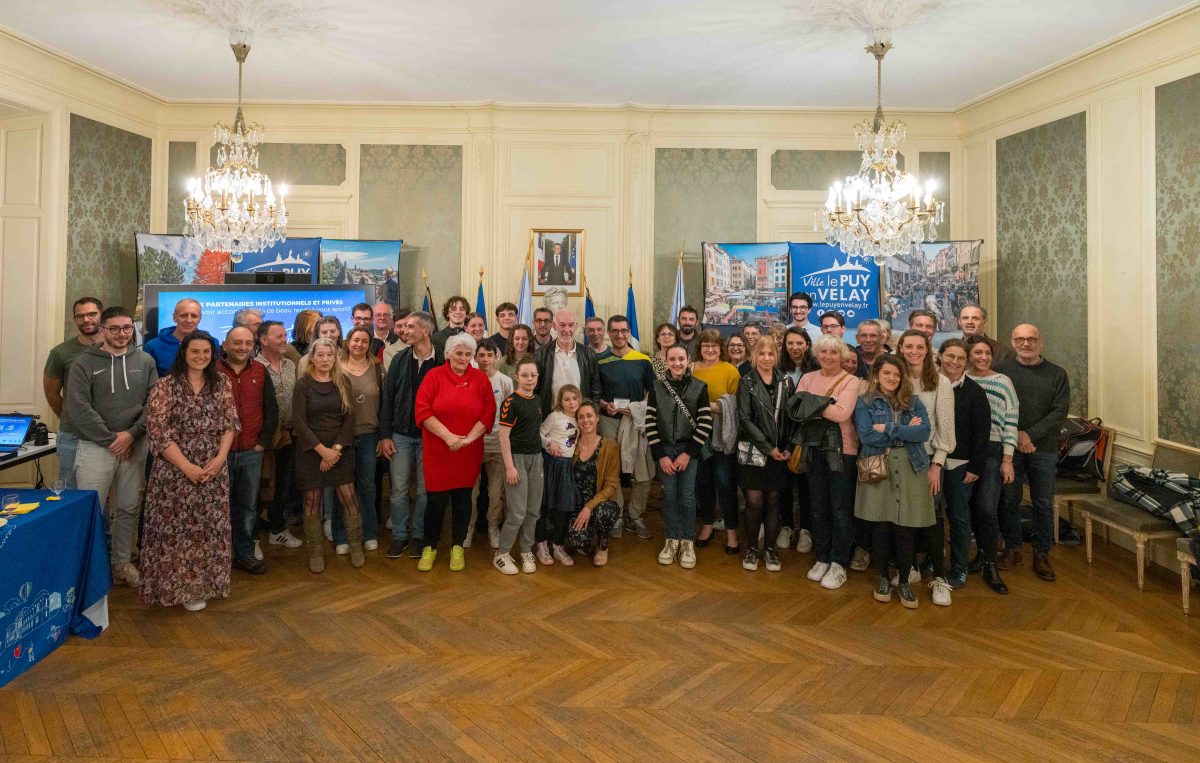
<point x="280" y="18"/>
<point x="866" y="15"/>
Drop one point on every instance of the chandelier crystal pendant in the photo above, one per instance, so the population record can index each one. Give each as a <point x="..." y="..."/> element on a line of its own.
<point x="880" y="212"/>
<point x="233" y="207"/>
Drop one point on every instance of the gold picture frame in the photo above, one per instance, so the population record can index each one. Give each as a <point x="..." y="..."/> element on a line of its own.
<point x="568" y="273"/>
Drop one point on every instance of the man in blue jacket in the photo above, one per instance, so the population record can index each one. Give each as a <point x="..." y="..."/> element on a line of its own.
<point x="164" y="347"/>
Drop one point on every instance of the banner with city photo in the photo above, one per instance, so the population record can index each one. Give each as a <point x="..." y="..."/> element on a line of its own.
<point x="744" y="282"/>
<point x="835" y="281"/>
<point x="350" y="261"/>
<point x="298" y="256"/>
<point x="170" y="258"/>
<point x="940" y="276"/>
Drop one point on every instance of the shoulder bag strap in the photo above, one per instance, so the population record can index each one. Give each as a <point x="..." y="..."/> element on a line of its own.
<point x="679" y="402"/>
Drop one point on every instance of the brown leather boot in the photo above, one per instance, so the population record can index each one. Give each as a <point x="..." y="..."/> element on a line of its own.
<point x="314" y="538"/>
<point x="1042" y="568"/>
<point x="1010" y="559"/>
<point x="354" y="536"/>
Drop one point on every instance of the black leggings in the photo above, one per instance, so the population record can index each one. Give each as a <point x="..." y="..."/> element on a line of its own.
<point x="459" y="500"/>
<point x="892" y="541"/>
<point x="345" y="494"/>
<point x="932" y="540"/>
<point x="757" y="517"/>
<point x="552" y="527"/>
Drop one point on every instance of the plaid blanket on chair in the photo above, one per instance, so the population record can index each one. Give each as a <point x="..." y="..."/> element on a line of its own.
<point x="1172" y="495"/>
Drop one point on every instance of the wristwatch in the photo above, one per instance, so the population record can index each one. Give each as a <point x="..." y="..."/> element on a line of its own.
<point x="338" y="448"/>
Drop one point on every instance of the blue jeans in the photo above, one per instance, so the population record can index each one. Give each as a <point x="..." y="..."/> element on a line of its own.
<point x="1039" y="468"/>
<point x="831" y="501"/>
<point x="958" y="510"/>
<point x="245" y="469"/>
<point x="679" y="496"/>
<point x="67" y="445"/>
<point x="364" y="489"/>
<point x="407" y="471"/>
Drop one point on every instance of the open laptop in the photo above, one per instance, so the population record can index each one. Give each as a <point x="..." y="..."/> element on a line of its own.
<point x="13" y="429"/>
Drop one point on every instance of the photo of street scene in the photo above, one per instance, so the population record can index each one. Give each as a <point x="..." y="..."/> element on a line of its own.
<point x="744" y="282"/>
<point x="940" y="276"/>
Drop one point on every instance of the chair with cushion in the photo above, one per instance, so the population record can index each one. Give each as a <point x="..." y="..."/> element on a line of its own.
<point x="1183" y="552"/>
<point x="1066" y="489"/>
<point x="1137" y="523"/>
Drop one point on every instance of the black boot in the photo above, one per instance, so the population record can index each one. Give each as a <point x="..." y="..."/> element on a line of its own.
<point x="992" y="578"/>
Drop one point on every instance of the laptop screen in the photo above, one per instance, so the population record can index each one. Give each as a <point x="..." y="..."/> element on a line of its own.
<point x="13" y="429"/>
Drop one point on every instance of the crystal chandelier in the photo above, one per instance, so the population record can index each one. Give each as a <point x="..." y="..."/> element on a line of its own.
<point x="232" y="208"/>
<point x="880" y="212"/>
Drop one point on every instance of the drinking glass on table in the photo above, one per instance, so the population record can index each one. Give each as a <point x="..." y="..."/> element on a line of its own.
<point x="10" y="502"/>
<point x="58" y="486"/>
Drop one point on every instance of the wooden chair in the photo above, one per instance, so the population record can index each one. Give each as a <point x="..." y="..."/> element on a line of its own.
<point x="1065" y="490"/>
<point x="1183" y="552"/>
<point x="1137" y="523"/>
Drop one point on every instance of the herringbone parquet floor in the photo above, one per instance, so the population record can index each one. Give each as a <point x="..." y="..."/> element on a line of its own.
<point x="629" y="662"/>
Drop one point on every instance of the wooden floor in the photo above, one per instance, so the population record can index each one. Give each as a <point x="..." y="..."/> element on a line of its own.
<point x="630" y="662"/>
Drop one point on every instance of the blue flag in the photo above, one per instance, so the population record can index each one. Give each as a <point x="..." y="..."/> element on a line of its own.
<point x="589" y="307"/>
<point x="631" y="314"/>
<point x="678" y="301"/>
<point x="525" y="300"/>
<point x="480" y="305"/>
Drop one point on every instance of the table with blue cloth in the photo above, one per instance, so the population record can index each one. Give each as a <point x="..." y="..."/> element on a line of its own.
<point x="54" y="577"/>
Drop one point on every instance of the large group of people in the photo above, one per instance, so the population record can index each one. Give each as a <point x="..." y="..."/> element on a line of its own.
<point x="772" y="438"/>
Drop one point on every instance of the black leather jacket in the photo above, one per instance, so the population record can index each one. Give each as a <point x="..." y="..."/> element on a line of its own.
<point x="757" y="420"/>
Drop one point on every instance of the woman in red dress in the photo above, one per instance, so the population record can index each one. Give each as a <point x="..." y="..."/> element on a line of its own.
<point x="455" y="408"/>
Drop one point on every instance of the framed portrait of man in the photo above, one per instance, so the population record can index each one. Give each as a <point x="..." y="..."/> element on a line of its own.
<point x="557" y="260"/>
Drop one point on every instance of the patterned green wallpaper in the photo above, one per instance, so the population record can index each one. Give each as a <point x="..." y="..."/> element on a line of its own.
<point x="700" y="194"/>
<point x="299" y="163"/>
<point x="815" y="170"/>
<point x="108" y="201"/>
<point x="935" y="165"/>
<point x="181" y="167"/>
<point x="1177" y="157"/>
<point x="415" y="193"/>
<point x="1041" y="251"/>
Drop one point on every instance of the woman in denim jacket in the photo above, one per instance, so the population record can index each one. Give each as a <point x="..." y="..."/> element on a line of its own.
<point x="890" y="419"/>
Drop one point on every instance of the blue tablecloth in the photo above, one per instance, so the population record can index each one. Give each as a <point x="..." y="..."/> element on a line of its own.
<point x="54" y="577"/>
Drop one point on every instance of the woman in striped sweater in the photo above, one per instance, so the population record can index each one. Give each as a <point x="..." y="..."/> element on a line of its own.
<point x="678" y="424"/>
<point x="998" y="468"/>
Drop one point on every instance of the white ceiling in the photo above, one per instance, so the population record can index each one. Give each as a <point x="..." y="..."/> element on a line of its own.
<point x="768" y="53"/>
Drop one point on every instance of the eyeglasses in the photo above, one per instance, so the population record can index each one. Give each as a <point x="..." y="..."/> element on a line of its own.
<point x="119" y="329"/>
<point x="542" y="320"/>
<point x="93" y="314"/>
<point x="1026" y="339"/>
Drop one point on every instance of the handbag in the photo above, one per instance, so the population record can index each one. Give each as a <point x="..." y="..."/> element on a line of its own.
<point x="874" y="468"/>
<point x="795" y="463"/>
<point x="747" y="453"/>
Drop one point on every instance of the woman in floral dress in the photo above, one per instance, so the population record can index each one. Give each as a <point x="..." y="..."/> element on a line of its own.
<point x="191" y="420"/>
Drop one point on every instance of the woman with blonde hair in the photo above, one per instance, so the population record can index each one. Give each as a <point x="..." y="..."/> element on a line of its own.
<point x="323" y="425"/>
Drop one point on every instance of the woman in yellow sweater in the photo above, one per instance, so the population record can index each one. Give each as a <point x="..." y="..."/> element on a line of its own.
<point x="716" y="483"/>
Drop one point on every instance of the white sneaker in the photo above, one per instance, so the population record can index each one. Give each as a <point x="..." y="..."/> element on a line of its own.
<point x="914" y="576"/>
<point x="505" y="563"/>
<point x="687" y="554"/>
<point x="327" y="528"/>
<point x="861" y="560"/>
<point x="285" y="539"/>
<point x="785" y="538"/>
<point x="258" y="554"/>
<point x="528" y="563"/>
<point x="370" y="545"/>
<point x="818" y="571"/>
<point x="342" y="549"/>
<point x="467" y="540"/>
<point x="195" y="606"/>
<point x="804" y="541"/>
<point x="669" y="551"/>
<point x="835" y="578"/>
<point x="561" y="556"/>
<point x="941" y="592"/>
<point x="494" y="536"/>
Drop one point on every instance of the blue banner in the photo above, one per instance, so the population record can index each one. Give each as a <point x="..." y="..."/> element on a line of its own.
<point x="295" y="255"/>
<point x="835" y="281"/>
<point x="278" y="303"/>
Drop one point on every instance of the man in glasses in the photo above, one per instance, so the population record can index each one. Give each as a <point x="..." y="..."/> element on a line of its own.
<point x="86" y="313"/>
<point x="543" y="322"/>
<point x="107" y="387"/>
<point x="1044" y="396"/>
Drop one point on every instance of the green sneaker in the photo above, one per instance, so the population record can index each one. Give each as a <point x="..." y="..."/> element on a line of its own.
<point x="457" y="562"/>
<point x="428" y="554"/>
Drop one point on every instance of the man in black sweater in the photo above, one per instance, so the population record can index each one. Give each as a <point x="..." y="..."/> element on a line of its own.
<point x="1044" y="394"/>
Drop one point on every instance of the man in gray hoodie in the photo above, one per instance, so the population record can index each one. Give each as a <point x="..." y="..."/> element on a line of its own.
<point x="107" y="387"/>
